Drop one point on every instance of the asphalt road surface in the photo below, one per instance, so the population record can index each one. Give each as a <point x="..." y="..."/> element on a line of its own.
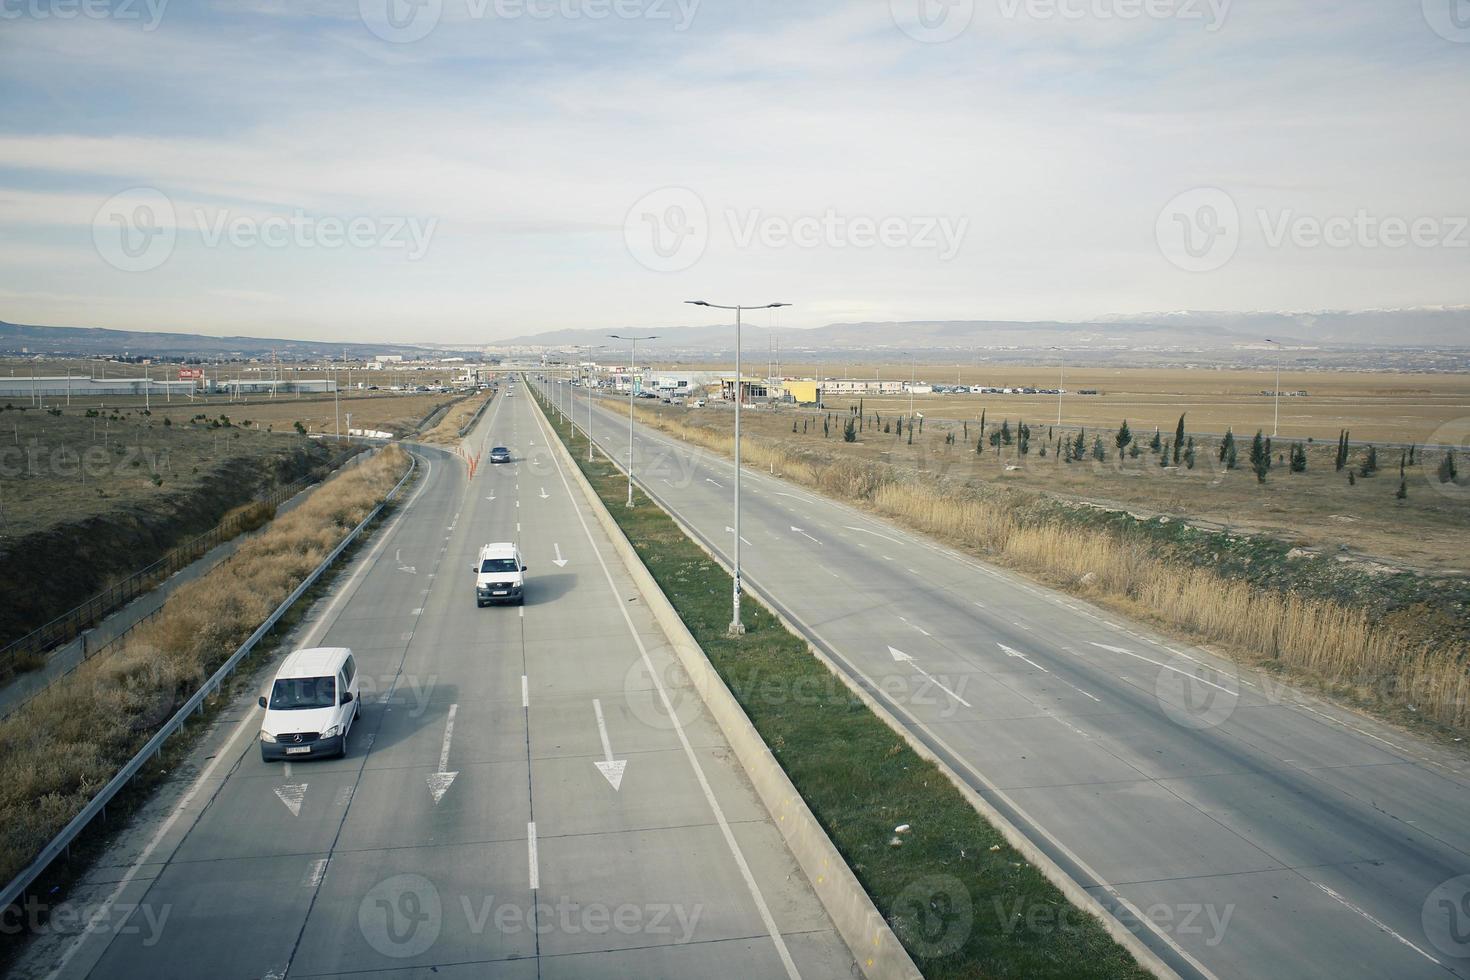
<point x="515" y="801"/>
<point x="1241" y="828"/>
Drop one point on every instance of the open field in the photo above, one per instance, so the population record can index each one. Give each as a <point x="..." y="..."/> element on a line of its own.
<point x="1382" y="407"/>
<point x="1316" y="509"/>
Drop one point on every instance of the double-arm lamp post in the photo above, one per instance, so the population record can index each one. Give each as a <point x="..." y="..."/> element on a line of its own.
<point x="737" y="628"/>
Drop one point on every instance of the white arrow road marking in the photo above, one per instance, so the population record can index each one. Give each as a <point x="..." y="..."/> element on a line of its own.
<point x="610" y="768"/>
<point x="731" y="530"/>
<point x="804" y="534"/>
<point x="915" y="626"/>
<point x="491" y="497"/>
<point x="1159" y="663"/>
<point x="439" y="782"/>
<point x="398" y="560"/>
<point x="293" y="795"/>
<point x="901" y="657"/>
<point x="720" y="485"/>
<point x="1013" y="652"/>
<point x="544" y="494"/>
<point x="559" y="561"/>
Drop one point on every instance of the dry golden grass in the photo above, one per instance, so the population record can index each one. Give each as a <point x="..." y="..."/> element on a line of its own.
<point x="446" y="433"/>
<point x="59" y="749"/>
<point x="1325" y="641"/>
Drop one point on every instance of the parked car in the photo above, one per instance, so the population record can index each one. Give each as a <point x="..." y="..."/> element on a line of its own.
<point x="500" y="454"/>
<point x="312" y="705"/>
<point x="500" y="575"/>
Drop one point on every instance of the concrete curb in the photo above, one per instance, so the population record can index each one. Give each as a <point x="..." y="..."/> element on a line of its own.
<point x="867" y="934"/>
<point x="1070" y="888"/>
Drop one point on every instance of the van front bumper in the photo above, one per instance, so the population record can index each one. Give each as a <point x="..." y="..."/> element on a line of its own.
<point x="511" y="593"/>
<point x="275" y="751"/>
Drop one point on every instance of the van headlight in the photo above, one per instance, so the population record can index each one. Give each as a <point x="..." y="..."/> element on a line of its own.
<point x="267" y="737"/>
<point x="332" y="732"/>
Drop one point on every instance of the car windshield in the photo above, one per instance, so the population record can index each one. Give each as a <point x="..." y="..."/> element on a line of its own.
<point x="499" y="565"/>
<point x="295" y="693"/>
<point x="500" y="451"/>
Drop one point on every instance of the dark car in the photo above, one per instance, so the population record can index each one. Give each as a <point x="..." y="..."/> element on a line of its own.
<point x="500" y="455"/>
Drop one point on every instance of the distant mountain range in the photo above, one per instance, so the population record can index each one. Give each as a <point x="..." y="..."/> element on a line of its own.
<point x="94" y="341"/>
<point x="1181" y="331"/>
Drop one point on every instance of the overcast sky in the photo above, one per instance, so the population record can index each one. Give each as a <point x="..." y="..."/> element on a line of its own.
<point x="462" y="170"/>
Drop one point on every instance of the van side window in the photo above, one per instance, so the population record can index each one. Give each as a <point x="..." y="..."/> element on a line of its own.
<point x="349" y="669"/>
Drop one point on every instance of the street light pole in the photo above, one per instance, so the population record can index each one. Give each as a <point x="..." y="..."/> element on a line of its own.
<point x="1061" y="381"/>
<point x="586" y="350"/>
<point x="737" y="628"/>
<point x="1276" y="415"/>
<point x="632" y="366"/>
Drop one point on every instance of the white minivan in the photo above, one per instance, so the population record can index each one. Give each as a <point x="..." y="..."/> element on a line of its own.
<point x="312" y="705"/>
<point x="499" y="574"/>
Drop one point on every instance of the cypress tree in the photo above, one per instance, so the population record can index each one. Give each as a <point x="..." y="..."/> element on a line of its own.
<point x="1125" y="436"/>
<point x="1099" y="452"/>
<point x="1080" y="446"/>
<point x="1189" y="454"/>
<point x="1178" y="439"/>
<point x="1260" y="456"/>
<point x="1403" y="491"/>
<point x="1227" y="445"/>
<point x="1155" y="443"/>
<point x="1370" y="462"/>
<point x="849" y="434"/>
<point x="1164" y="454"/>
<point x="1298" y="458"/>
<point x="1447" y="472"/>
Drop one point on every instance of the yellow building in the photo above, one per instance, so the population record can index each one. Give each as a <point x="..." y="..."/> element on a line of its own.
<point x="804" y="392"/>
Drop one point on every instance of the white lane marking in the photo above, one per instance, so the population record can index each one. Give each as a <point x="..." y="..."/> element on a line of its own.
<point x="559" y="561"/>
<point x="767" y="919"/>
<point x="731" y="530"/>
<point x="914" y="625"/>
<point x="611" y="769"/>
<point x="913" y="571"/>
<point x="344" y="795"/>
<point x="544" y="494"/>
<point x="720" y="485"/>
<point x="314" y="873"/>
<point x="1160" y="663"/>
<point x="873" y="533"/>
<point x="1377" y="922"/>
<point x="439" y="782"/>
<point x="525" y="691"/>
<point x="417" y="612"/>
<point x="804" y="534"/>
<point x="531" y="855"/>
<point x="1013" y="652"/>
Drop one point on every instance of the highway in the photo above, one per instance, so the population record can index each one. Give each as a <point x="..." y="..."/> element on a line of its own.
<point x="515" y="800"/>
<point x="1240" y="827"/>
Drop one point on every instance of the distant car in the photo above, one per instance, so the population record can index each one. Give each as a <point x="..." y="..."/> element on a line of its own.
<point x="699" y="403"/>
<point x="500" y="454"/>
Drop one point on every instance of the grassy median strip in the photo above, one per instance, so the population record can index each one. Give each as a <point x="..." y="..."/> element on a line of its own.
<point x="963" y="903"/>
<point x="59" y="749"/>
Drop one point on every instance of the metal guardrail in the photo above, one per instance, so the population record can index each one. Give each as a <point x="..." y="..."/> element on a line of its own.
<point x="479" y="413"/>
<point x="63" y="841"/>
<point x="66" y="627"/>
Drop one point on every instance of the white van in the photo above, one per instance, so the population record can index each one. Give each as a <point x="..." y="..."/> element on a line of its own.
<point x="500" y="575"/>
<point x="312" y="705"/>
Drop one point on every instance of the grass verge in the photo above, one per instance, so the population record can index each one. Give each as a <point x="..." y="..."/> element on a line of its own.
<point x="963" y="903"/>
<point x="60" y="748"/>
